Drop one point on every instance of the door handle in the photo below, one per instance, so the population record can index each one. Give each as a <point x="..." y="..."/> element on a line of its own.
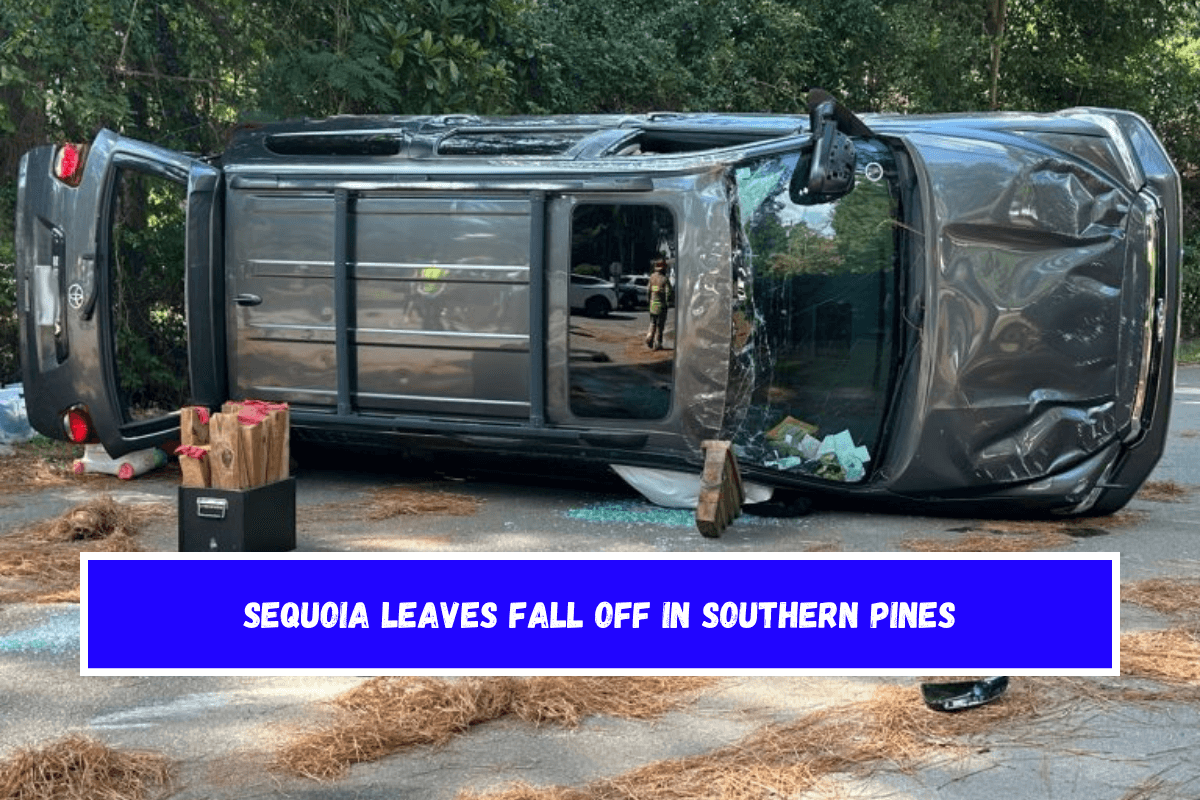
<point x="247" y="300"/>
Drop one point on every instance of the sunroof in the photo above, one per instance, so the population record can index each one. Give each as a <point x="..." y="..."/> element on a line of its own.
<point x="532" y="143"/>
<point x="334" y="144"/>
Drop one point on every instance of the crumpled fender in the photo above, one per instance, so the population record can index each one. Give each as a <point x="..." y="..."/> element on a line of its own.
<point x="1037" y="299"/>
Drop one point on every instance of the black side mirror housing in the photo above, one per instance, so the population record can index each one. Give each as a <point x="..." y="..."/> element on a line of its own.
<point x="828" y="171"/>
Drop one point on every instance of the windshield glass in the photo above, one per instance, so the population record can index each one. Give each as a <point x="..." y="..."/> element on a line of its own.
<point x="816" y="318"/>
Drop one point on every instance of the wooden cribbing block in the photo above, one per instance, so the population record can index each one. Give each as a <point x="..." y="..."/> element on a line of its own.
<point x="278" y="444"/>
<point x="193" y="425"/>
<point x="721" y="493"/>
<point x="253" y="463"/>
<point x="193" y="464"/>
<point x="225" y="452"/>
<point x="247" y="444"/>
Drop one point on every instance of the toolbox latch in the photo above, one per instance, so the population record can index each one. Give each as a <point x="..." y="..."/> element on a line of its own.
<point x="211" y="507"/>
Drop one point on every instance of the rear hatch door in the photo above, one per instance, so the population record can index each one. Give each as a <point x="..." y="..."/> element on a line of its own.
<point x="72" y="229"/>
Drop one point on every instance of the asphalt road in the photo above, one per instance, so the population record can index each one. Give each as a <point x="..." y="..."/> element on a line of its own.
<point x="222" y="728"/>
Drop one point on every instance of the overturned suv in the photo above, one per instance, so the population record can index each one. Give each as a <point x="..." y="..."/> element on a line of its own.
<point x="969" y="312"/>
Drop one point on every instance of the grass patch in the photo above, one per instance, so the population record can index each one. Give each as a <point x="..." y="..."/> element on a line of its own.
<point x="1188" y="352"/>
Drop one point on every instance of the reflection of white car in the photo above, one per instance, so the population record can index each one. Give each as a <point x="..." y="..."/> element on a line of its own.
<point x="596" y="296"/>
<point x="634" y="291"/>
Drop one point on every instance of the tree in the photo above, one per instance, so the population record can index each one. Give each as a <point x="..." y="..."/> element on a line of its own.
<point x="395" y="57"/>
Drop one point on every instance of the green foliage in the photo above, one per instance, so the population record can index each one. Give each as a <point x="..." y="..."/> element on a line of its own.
<point x="1190" y="288"/>
<point x="148" y="293"/>
<point x="180" y="74"/>
<point x="397" y="56"/>
<point x="10" y="365"/>
<point x="725" y="55"/>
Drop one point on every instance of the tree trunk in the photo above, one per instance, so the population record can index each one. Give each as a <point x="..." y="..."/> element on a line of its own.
<point x="997" y="11"/>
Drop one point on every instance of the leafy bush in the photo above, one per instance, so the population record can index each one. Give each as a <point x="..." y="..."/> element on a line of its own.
<point x="1190" y="289"/>
<point x="10" y="364"/>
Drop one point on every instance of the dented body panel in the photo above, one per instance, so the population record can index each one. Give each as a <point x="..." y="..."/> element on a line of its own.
<point x="1050" y="299"/>
<point x="985" y="320"/>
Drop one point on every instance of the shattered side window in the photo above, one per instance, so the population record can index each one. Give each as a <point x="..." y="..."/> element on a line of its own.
<point x="821" y="304"/>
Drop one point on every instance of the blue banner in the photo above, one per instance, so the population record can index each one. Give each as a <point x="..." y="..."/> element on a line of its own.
<point x="630" y="614"/>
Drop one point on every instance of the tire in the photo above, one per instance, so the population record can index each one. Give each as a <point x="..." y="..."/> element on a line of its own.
<point x="598" y="306"/>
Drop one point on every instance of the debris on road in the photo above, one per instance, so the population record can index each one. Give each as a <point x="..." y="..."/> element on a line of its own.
<point x="80" y="767"/>
<point x="1018" y="536"/>
<point x="386" y="715"/>
<point x="1178" y="597"/>
<point x="1162" y="492"/>
<point x="960" y="695"/>
<point x="887" y="731"/>
<point x="40" y="563"/>
<point x="127" y="467"/>
<point x="1172" y="655"/>
<point x="36" y="465"/>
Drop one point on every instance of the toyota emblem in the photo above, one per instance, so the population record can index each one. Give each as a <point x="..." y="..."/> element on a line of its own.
<point x="75" y="296"/>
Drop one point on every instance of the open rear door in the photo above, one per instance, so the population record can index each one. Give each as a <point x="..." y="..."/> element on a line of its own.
<point x="93" y="224"/>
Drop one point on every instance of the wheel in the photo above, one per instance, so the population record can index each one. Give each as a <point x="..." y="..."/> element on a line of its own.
<point x="597" y="306"/>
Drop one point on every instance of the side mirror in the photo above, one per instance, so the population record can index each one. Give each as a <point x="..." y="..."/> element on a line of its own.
<point x="827" y="172"/>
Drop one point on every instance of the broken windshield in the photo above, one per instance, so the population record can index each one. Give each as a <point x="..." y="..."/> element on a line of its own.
<point x="816" y="318"/>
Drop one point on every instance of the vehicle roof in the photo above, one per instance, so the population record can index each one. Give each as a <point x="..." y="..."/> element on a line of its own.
<point x="587" y="137"/>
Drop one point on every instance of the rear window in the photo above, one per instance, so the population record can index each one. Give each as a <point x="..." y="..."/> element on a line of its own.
<point x="146" y="284"/>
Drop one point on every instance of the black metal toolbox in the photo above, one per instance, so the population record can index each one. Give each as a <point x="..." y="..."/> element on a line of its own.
<point x="261" y="519"/>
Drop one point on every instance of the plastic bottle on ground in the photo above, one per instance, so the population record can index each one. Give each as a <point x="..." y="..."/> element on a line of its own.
<point x="96" y="459"/>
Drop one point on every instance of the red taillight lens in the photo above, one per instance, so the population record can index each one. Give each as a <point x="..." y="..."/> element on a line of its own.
<point x="68" y="163"/>
<point x="78" y="425"/>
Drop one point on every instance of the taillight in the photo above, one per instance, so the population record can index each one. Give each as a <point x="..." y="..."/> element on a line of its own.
<point x="78" y="425"/>
<point x="68" y="163"/>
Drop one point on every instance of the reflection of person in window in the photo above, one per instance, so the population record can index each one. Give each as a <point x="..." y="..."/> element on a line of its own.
<point x="659" y="294"/>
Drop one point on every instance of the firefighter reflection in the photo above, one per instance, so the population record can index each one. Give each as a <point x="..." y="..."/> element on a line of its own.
<point x="432" y="306"/>
<point x="659" y="294"/>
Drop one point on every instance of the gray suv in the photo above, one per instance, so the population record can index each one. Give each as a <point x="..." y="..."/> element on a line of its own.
<point x="970" y="312"/>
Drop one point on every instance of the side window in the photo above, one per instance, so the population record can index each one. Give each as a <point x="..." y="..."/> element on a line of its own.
<point x="622" y="322"/>
<point x="823" y="310"/>
<point x="146" y="287"/>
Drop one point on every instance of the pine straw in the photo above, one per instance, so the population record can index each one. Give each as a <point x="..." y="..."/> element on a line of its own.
<point x="990" y="542"/>
<point x="398" y="501"/>
<point x="1015" y="536"/>
<point x="1163" y="492"/>
<point x="1172" y="655"/>
<point x="1177" y="597"/>
<point x="41" y="562"/>
<point x="32" y="468"/>
<point x="893" y="729"/>
<point x="79" y="768"/>
<point x="395" y="501"/>
<point x="386" y="715"/>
